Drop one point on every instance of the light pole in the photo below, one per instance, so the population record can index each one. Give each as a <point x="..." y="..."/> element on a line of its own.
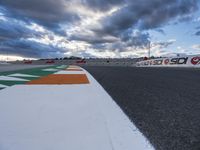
<point x="7" y="56"/>
<point x="149" y="52"/>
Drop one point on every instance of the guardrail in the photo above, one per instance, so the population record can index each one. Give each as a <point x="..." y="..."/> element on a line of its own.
<point x="186" y="61"/>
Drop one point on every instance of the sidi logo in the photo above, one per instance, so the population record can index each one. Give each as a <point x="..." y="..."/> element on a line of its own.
<point x="166" y="61"/>
<point x="179" y="61"/>
<point x="195" y="60"/>
<point x="157" y="62"/>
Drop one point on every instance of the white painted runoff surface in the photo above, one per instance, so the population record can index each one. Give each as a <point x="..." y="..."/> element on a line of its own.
<point x="65" y="117"/>
<point x="6" y="78"/>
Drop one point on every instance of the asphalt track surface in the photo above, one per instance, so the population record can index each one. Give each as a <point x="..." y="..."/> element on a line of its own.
<point x="164" y="103"/>
<point x="13" y="67"/>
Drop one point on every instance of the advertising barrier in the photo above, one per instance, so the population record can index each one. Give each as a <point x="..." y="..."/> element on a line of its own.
<point x="186" y="61"/>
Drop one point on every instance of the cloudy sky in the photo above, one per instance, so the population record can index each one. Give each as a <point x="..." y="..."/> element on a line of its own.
<point x="98" y="28"/>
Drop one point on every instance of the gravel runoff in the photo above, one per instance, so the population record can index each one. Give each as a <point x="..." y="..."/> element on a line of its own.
<point x="164" y="103"/>
<point x="12" y="67"/>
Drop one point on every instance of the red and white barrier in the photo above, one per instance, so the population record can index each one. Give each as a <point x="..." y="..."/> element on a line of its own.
<point x="186" y="61"/>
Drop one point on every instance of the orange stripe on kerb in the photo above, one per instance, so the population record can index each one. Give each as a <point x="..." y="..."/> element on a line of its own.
<point x="62" y="79"/>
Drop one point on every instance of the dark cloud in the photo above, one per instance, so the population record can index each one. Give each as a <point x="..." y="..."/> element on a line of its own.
<point x="126" y="27"/>
<point x="13" y="41"/>
<point x="132" y="39"/>
<point x="135" y="39"/>
<point x="12" y="32"/>
<point x="145" y="14"/>
<point x="197" y="28"/>
<point x="162" y="45"/>
<point x="49" y="13"/>
<point x="99" y="46"/>
<point x="197" y="33"/>
<point x="12" y="29"/>
<point x="160" y="31"/>
<point x="28" y="48"/>
<point x="92" y="39"/>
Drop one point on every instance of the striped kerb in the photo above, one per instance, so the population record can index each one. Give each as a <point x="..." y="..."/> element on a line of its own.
<point x="61" y="79"/>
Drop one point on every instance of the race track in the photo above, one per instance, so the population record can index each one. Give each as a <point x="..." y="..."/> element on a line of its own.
<point x="164" y="103"/>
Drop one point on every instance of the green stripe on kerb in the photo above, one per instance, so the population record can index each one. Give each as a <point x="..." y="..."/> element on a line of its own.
<point x="10" y="83"/>
<point x="34" y="71"/>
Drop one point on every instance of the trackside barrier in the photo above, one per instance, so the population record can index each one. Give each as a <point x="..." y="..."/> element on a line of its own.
<point x="186" y="61"/>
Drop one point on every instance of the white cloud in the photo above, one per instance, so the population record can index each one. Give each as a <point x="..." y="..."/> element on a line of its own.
<point x="196" y="46"/>
<point x="12" y="58"/>
<point x="2" y="17"/>
<point x="197" y="19"/>
<point x="36" y="27"/>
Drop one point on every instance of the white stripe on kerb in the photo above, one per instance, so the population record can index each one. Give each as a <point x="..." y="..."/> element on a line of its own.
<point x="3" y="86"/>
<point x="21" y="75"/>
<point x="70" y="72"/>
<point x="50" y="69"/>
<point x="6" y="78"/>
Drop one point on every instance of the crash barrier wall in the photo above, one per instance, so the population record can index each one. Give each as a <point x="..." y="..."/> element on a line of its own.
<point x="87" y="62"/>
<point x="186" y="61"/>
